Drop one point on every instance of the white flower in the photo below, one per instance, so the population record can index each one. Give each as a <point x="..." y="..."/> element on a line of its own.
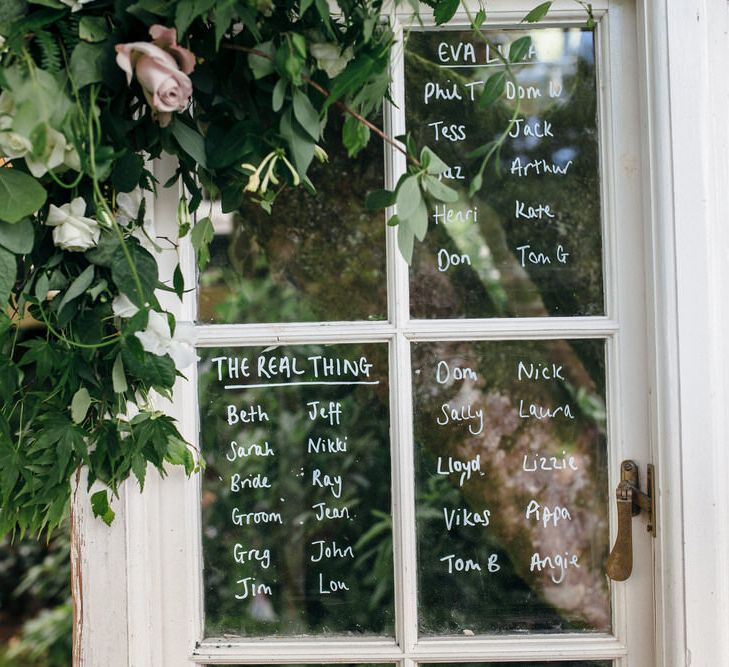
<point x="156" y="338"/>
<point x="12" y="144"/>
<point x="128" y="205"/>
<point x="75" y="5"/>
<point x="57" y="153"/>
<point x="72" y="230"/>
<point x="330" y="58"/>
<point x="71" y="158"/>
<point x="122" y="306"/>
<point x="53" y="154"/>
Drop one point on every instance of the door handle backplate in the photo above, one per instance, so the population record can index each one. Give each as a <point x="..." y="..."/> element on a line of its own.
<point x="631" y="502"/>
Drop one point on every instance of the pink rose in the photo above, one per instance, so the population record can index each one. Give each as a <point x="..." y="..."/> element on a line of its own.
<point x="161" y="69"/>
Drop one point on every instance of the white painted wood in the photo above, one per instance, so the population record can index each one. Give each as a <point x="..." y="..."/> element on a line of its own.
<point x="503" y="329"/>
<point x="686" y="101"/>
<point x="98" y="581"/>
<point x="628" y="401"/>
<point x="458" y="649"/>
<point x="401" y="397"/>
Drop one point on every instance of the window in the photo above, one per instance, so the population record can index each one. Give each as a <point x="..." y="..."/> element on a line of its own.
<point x="414" y="464"/>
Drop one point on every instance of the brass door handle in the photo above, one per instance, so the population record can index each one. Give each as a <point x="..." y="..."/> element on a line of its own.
<point x="631" y="500"/>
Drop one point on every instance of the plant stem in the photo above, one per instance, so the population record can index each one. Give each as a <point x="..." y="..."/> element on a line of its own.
<point x="339" y="103"/>
<point x="101" y="200"/>
<point x="70" y="342"/>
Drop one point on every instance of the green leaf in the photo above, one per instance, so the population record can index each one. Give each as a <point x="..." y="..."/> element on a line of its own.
<point x="8" y="273"/>
<point x="306" y="114"/>
<point x="92" y="29"/>
<point x="118" y="378"/>
<point x="302" y="147"/>
<point x="103" y="253"/>
<point x="355" y="135"/>
<point x="299" y="43"/>
<point x="11" y="10"/>
<point x="20" y="195"/>
<point x="225" y="146"/>
<point x="538" y="13"/>
<point x="248" y="17"/>
<point x="279" y="94"/>
<point x="101" y="508"/>
<point x="259" y="65"/>
<point x="78" y="286"/>
<point x="435" y="164"/>
<point x="80" y="404"/>
<point x="98" y="289"/>
<point x="17" y="238"/>
<point x="357" y="73"/>
<point x="201" y="236"/>
<point x="123" y="275"/>
<point x="289" y="60"/>
<point x="159" y="7"/>
<point x="479" y="19"/>
<point x="444" y="11"/>
<point x="322" y="8"/>
<point x="440" y="190"/>
<point x="190" y="141"/>
<point x="53" y="4"/>
<point x="304" y="5"/>
<point x="139" y="468"/>
<point x="408" y="197"/>
<point x="178" y="453"/>
<point x="87" y="63"/>
<point x="223" y="15"/>
<point x="155" y="371"/>
<point x="418" y="220"/>
<point x="405" y="241"/>
<point x="178" y="282"/>
<point x="187" y="11"/>
<point x="42" y="285"/>
<point x="184" y="15"/>
<point x="476" y="184"/>
<point x="493" y="89"/>
<point x="481" y="150"/>
<point x="519" y="49"/>
<point x="127" y="172"/>
<point x="379" y="199"/>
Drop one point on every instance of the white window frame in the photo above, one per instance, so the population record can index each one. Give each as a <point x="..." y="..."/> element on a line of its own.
<point x="137" y="601"/>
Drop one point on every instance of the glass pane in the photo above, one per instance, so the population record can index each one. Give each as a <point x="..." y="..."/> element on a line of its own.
<point x="511" y="482"/>
<point x="313" y="258"/>
<point x="528" y="243"/>
<point x="296" y="512"/>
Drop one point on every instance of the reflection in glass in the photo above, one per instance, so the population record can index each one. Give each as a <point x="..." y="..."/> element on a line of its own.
<point x="528" y="243"/>
<point x="296" y="512"/>
<point x="314" y="258"/>
<point x="511" y="483"/>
